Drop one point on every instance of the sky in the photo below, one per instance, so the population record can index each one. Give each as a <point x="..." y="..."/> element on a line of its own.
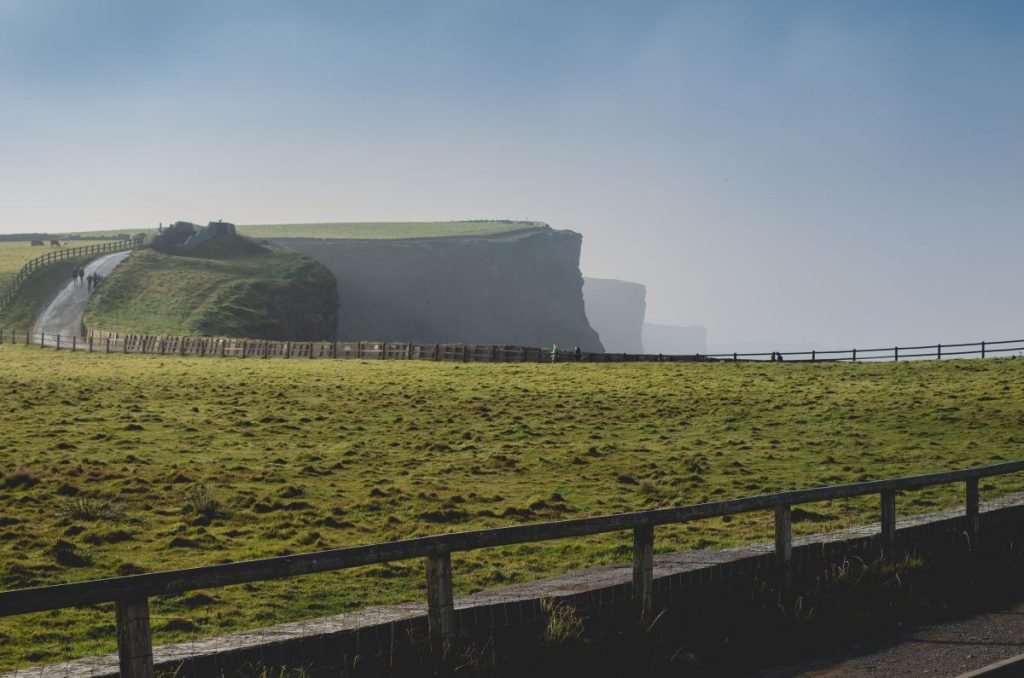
<point x="787" y="174"/>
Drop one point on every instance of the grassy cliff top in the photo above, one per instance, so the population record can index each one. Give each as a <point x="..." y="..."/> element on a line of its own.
<point x="211" y="292"/>
<point x="387" y="230"/>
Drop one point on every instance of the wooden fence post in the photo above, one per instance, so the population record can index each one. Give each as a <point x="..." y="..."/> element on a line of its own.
<point x="41" y="339"/>
<point x="784" y="546"/>
<point x="889" y="524"/>
<point x="74" y="342"/>
<point x="287" y="349"/>
<point x="134" y="639"/>
<point x="643" y="572"/>
<point x="939" y="353"/>
<point x="854" y="355"/>
<point x="58" y="340"/>
<point x="440" y="603"/>
<point x="973" y="517"/>
<point x="983" y="349"/>
<point x="814" y="355"/>
<point x="896" y="353"/>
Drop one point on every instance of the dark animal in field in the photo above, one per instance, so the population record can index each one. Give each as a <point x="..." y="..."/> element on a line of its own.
<point x="55" y="243"/>
<point x="37" y="243"/>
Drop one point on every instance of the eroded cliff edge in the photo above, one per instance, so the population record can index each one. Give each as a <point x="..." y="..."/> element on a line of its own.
<point x="521" y="288"/>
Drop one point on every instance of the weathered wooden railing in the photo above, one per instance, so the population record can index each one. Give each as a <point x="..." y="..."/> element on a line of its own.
<point x="61" y="254"/>
<point x="131" y="594"/>
<point x="221" y="347"/>
<point x="894" y="353"/>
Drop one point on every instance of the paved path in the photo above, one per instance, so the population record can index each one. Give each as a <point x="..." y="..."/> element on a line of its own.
<point x="946" y="649"/>
<point x="64" y="314"/>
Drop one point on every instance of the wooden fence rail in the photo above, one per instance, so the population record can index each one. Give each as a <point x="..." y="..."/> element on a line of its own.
<point x="115" y="342"/>
<point x="895" y="353"/>
<point x="131" y="594"/>
<point x="61" y="254"/>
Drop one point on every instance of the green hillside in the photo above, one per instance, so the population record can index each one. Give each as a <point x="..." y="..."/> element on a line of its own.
<point x="120" y="464"/>
<point x="385" y="230"/>
<point x="220" y="290"/>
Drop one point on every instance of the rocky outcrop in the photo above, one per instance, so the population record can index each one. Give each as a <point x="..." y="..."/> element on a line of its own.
<point x="183" y="237"/>
<point x="616" y="308"/>
<point x="674" y="340"/>
<point x="520" y="288"/>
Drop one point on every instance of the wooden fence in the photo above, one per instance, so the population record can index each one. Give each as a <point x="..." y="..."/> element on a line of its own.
<point x="53" y="256"/>
<point x="976" y="348"/>
<point x="113" y="342"/>
<point x="131" y="594"/>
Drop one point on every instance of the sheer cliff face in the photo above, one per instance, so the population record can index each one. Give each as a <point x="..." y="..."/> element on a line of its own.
<point x="616" y="308"/>
<point x="523" y="288"/>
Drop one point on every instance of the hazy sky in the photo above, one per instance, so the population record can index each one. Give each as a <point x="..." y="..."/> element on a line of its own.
<point x="840" y="173"/>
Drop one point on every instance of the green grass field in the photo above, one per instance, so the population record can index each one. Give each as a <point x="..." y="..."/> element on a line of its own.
<point x="107" y="459"/>
<point x="384" y="230"/>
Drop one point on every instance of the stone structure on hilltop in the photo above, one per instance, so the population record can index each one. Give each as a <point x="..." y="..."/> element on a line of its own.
<point x="182" y="237"/>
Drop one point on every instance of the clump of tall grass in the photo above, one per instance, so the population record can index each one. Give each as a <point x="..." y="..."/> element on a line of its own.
<point x="201" y="501"/>
<point x="564" y="623"/>
<point x="92" y="510"/>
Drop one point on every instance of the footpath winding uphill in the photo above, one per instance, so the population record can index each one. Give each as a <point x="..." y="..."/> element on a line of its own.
<point x="64" y="314"/>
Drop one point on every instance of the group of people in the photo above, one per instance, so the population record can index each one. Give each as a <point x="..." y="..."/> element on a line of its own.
<point x="79" y="277"/>
<point x="577" y="353"/>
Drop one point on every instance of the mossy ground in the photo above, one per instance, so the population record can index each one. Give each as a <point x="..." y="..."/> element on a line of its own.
<point x="103" y="455"/>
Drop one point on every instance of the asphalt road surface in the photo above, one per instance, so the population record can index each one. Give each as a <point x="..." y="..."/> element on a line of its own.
<point x="940" y="650"/>
<point x="64" y="314"/>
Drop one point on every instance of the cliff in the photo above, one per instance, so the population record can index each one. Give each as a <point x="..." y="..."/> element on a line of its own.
<point x="616" y="308"/>
<point x="520" y="287"/>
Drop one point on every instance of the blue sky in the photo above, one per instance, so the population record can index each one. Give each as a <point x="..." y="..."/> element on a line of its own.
<point x="828" y="173"/>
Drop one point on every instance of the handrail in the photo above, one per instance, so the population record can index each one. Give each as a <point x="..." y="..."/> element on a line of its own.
<point x="131" y="593"/>
<point x="63" y="253"/>
<point x="60" y="596"/>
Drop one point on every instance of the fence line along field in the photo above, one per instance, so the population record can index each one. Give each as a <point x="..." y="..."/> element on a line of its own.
<point x="15" y="254"/>
<point x="117" y="464"/>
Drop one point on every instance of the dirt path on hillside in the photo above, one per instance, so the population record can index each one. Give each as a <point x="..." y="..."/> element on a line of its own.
<point x="947" y="649"/>
<point x="64" y="314"/>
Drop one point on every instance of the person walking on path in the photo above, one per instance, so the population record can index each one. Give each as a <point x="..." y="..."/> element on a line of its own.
<point x="554" y="353"/>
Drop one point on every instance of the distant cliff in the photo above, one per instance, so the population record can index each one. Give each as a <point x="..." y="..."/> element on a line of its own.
<point x="615" y="309"/>
<point x="521" y="287"/>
